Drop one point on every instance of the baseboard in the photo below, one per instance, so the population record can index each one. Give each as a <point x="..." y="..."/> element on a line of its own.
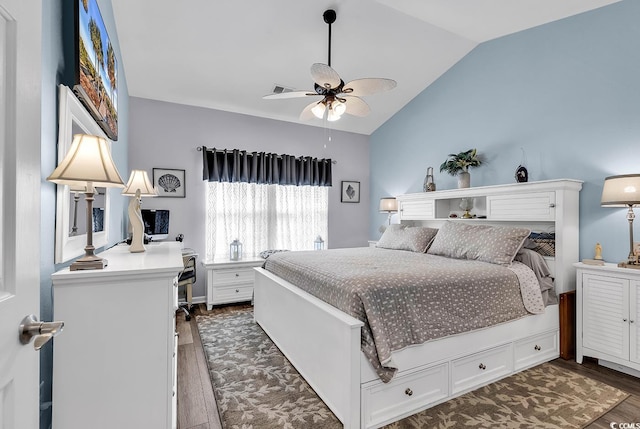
<point x="618" y="367"/>
<point x="196" y="300"/>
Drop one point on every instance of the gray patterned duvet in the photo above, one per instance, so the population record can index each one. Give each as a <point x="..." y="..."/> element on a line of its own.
<point x="406" y="298"/>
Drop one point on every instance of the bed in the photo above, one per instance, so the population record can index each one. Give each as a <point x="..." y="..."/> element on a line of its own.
<point x="325" y="344"/>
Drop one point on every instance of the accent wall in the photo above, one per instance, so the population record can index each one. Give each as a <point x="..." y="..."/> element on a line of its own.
<point x="563" y="99"/>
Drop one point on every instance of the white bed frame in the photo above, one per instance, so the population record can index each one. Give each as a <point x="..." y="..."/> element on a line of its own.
<point x="323" y="343"/>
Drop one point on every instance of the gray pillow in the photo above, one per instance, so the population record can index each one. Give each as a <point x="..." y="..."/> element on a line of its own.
<point x="494" y="244"/>
<point x="401" y="237"/>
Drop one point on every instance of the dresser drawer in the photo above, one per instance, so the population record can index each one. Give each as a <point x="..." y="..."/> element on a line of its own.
<point x="535" y="350"/>
<point x="233" y="293"/>
<point x="237" y="275"/>
<point x="481" y="368"/>
<point x="404" y="394"/>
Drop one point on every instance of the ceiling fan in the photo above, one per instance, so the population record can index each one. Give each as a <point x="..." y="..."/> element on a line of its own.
<point x="337" y="97"/>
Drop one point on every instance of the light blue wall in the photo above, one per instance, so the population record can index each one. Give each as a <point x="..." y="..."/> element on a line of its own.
<point x="57" y="67"/>
<point x="568" y="93"/>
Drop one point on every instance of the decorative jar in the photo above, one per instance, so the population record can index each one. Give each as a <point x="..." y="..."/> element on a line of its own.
<point x="318" y="244"/>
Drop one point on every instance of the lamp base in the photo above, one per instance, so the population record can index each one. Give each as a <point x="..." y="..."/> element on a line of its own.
<point x="89" y="264"/>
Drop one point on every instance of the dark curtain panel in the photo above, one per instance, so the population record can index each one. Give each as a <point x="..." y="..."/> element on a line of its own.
<point x="222" y="165"/>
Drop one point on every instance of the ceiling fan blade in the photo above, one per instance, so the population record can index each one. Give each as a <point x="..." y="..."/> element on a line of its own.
<point x="290" y="94"/>
<point x="368" y="86"/>
<point x="356" y="106"/>
<point x="325" y="76"/>
<point x="307" y="113"/>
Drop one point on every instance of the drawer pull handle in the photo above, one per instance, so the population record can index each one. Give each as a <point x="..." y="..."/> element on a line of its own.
<point x="537" y="348"/>
<point x="408" y="392"/>
<point x="237" y="290"/>
<point x="631" y="321"/>
<point x="624" y="320"/>
<point x="237" y="275"/>
<point x="552" y="205"/>
<point x="482" y="366"/>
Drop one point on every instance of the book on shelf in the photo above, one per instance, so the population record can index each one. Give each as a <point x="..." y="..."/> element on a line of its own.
<point x="593" y="261"/>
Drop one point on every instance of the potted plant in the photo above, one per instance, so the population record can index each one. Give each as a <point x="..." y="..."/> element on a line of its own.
<point x="459" y="164"/>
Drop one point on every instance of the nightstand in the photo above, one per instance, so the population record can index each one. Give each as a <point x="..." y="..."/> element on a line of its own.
<point x="230" y="281"/>
<point x="607" y="316"/>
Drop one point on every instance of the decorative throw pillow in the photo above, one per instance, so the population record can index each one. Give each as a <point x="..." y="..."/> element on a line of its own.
<point x="266" y="253"/>
<point x="401" y="237"/>
<point x="494" y="244"/>
<point x="542" y="242"/>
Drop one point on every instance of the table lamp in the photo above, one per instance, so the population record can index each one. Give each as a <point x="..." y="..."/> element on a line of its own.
<point x="388" y="205"/>
<point x="137" y="187"/>
<point x="88" y="163"/>
<point x="623" y="191"/>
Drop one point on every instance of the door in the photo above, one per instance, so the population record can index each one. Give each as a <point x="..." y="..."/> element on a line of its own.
<point x="634" y="321"/>
<point x="20" y="106"/>
<point x="605" y="315"/>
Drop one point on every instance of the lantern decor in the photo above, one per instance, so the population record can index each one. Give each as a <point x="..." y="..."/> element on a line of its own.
<point x="235" y="250"/>
<point x="318" y="244"/>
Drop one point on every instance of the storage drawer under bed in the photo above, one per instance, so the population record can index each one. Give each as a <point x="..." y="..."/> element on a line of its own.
<point x="480" y="368"/>
<point x="404" y="394"/>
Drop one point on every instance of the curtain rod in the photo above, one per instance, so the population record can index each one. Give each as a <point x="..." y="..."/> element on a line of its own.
<point x="199" y="149"/>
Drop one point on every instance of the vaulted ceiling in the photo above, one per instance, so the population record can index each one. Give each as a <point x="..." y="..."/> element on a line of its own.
<point x="227" y="54"/>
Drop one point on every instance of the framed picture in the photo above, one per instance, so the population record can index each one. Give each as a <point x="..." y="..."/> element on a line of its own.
<point x="169" y="182"/>
<point x="96" y="67"/>
<point x="350" y="192"/>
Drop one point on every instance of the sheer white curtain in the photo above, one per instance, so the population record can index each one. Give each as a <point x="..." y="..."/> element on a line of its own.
<point x="264" y="217"/>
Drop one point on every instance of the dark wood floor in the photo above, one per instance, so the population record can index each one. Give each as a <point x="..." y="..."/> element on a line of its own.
<point x="197" y="406"/>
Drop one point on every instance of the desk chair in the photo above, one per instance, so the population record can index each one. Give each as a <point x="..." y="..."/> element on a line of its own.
<point x="187" y="278"/>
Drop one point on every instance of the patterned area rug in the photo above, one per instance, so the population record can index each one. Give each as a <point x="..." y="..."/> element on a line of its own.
<point x="257" y="388"/>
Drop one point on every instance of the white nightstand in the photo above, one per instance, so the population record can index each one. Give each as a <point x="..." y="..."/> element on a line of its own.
<point x="230" y="281"/>
<point x="608" y="315"/>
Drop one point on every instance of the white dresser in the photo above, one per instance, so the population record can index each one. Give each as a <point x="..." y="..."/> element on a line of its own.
<point x="230" y="281"/>
<point x="608" y="315"/>
<point x="115" y="363"/>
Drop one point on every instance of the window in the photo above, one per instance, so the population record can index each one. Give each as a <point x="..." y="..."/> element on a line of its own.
<point x="264" y="217"/>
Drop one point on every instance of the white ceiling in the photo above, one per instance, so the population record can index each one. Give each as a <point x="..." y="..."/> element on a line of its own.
<point x="227" y="54"/>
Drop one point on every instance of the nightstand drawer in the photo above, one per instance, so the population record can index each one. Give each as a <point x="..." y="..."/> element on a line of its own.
<point x="238" y="275"/>
<point x="480" y="368"/>
<point x="234" y="293"/>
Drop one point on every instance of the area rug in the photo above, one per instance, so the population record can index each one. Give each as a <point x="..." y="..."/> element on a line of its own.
<point x="257" y="388"/>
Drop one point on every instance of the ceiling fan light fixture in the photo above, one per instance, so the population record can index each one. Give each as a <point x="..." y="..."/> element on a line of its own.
<point x="332" y="116"/>
<point x="338" y="107"/>
<point x="318" y="110"/>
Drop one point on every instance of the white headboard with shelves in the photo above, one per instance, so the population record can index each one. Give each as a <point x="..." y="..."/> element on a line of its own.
<point x="545" y="206"/>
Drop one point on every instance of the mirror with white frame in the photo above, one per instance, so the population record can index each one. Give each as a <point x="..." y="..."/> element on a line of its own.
<point x="71" y="228"/>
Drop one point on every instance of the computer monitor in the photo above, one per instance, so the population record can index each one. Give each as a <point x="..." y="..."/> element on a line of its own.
<point x="156" y="223"/>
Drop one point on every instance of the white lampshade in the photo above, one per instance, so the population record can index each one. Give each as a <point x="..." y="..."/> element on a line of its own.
<point x="318" y="110"/>
<point x="623" y="190"/>
<point x="339" y="107"/>
<point x="388" y="204"/>
<point x="139" y="180"/>
<point x="88" y="160"/>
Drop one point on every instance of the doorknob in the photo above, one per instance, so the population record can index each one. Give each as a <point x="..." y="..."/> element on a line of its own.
<point x="42" y="331"/>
